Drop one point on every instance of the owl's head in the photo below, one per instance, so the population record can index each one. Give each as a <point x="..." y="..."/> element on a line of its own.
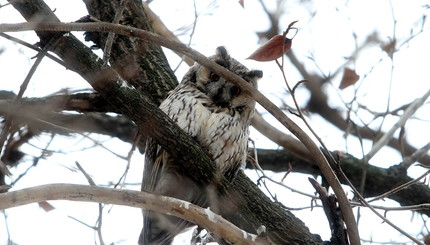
<point x="223" y="92"/>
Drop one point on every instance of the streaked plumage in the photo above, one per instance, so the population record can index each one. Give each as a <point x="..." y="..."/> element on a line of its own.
<point x="217" y="114"/>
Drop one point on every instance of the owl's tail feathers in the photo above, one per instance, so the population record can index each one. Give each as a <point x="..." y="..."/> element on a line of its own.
<point x="160" y="229"/>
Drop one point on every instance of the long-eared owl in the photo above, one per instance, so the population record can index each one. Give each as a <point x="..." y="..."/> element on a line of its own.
<point x="217" y="114"/>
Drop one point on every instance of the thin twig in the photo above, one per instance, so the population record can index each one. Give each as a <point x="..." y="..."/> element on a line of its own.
<point x="136" y="141"/>
<point x="87" y="176"/>
<point x="9" y="240"/>
<point x="34" y="47"/>
<point x="350" y="221"/>
<point x="184" y="58"/>
<point x="259" y="171"/>
<point x="399" y="188"/>
<point x="99" y="222"/>
<point x="111" y="35"/>
<point x="401" y="208"/>
<point x="35" y="161"/>
<point x="408" y="161"/>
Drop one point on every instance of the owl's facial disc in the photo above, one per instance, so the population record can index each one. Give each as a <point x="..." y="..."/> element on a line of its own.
<point x="222" y="92"/>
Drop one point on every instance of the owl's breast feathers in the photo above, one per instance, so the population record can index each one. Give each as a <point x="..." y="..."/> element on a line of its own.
<point x="222" y="131"/>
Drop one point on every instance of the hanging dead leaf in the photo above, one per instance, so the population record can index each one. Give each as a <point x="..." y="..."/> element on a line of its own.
<point x="272" y="49"/>
<point x="242" y="3"/>
<point x="349" y="78"/>
<point x="46" y="206"/>
<point x="277" y="46"/>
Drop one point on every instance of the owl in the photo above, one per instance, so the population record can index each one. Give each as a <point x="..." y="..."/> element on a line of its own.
<point x="217" y="114"/>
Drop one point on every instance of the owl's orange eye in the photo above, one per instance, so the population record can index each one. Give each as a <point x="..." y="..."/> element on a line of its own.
<point x="235" y="90"/>
<point x="213" y="76"/>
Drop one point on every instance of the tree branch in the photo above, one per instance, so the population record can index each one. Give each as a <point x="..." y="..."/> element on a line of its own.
<point x="137" y="199"/>
<point x="412" y="108"/>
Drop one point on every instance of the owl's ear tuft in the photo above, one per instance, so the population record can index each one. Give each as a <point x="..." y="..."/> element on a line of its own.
<point x="222" y="52"/>
<point x="255" y="74"/>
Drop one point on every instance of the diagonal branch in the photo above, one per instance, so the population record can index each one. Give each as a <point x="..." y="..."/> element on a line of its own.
<point x="412" y="108"/>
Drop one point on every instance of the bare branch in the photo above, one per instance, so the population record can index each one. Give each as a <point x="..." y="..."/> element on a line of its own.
<point x="338" y="234"/>
<point x="167" y="205"/>
<point x="111" y="35"/>
<point x="34" y="47"/>
<point x="399" y="188"/>
<point x="406" y="115"/>
<point x="162" y="30"/>
<point x="288" y="142"/>
<point x="408" y="161"/>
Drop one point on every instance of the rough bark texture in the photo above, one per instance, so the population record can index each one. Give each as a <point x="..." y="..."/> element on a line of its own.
<point x="142" y="64"/>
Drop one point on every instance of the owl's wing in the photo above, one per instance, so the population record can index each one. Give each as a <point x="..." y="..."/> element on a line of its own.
<point x="152" y="166"/>
<point x="153" y="232"/>
<point x="162" y="176"/>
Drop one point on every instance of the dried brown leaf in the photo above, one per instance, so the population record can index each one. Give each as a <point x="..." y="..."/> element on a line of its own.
<point x="349" y="78"/>
<point x="272" y="49"/>
<point x="46" y="206"/>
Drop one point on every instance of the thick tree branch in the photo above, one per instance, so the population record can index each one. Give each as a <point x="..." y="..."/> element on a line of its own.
<point x="131" y="57"/>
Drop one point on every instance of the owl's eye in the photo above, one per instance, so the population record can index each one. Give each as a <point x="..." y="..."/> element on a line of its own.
<point x="235" y="90"/>
<point x="213" y="76"/>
